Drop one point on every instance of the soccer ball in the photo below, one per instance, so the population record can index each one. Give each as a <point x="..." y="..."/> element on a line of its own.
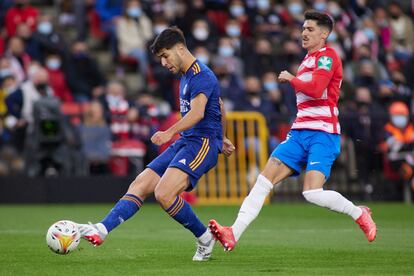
<point x="63" y="237"/>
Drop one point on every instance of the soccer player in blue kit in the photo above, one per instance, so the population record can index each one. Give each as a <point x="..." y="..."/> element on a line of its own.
<point x="179" y="167"/>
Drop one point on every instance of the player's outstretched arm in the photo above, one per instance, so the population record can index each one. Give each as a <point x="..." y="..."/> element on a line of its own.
<point x="196" y="113"/>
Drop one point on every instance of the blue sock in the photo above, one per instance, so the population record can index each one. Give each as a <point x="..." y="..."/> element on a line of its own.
<point x="181" y="211"/>
<point x="126" y="207"/>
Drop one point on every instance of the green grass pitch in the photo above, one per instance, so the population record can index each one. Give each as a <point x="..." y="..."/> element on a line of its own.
<point x="286" y="239"/>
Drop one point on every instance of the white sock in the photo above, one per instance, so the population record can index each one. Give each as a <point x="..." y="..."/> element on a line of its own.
<point x="101" y="228"/>
<point x="205" y="237"/>
<point x="333" y="201"/>
<point x="252" y="205"/>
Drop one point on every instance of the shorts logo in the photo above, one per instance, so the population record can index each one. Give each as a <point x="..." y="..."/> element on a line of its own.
<point x="182" y="161"/>
<point x="325" y="62"/>
<point x="313" y="163"/>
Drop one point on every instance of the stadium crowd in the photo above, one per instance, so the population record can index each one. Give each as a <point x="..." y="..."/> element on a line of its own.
<point x="61" y="112"/>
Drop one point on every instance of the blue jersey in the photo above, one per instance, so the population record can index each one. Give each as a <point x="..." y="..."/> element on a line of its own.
<point x="200" y="79"/>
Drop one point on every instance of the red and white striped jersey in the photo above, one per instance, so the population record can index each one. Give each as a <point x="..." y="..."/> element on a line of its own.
<point x="317" y="87"/>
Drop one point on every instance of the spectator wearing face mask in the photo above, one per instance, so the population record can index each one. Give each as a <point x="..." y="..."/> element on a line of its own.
<point x="21" y="12"/>
<point x="237" y="11"/>
<point x="295" y="9"/>
<point x="234" y="32"/>
<point x="398" y="144"/>
<point x="20" y="103"/>
<point x="202" y="35"/>
<point x="47" y="40"/>
<point x="255" y="98"/>
<point x="116" y="110"/>
<point x="355" y="68"/>
<point x="83" y="74"/>
<point x="226" y="53"/>
<point x="262" y="58"/>
<point x="134" y="30"/>
<point x="367" y="34"/>
<point x="267" y="21"/>
<point x="53" y="64"/>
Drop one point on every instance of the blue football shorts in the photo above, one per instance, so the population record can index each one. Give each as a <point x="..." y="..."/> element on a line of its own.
<point x="317" y="150"/>
<point x="194" y="155"/>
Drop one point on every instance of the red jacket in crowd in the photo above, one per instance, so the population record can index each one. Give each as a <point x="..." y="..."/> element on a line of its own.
<point x="58" y="83"/>
<point x="15" y="16"/>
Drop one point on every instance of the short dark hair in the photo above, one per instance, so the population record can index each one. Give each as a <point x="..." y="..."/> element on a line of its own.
<point x="322" y="19"/>
<point x="168" y="39"/>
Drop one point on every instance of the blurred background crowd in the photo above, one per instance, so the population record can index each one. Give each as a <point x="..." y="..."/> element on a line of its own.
<point x="78" y="83"/>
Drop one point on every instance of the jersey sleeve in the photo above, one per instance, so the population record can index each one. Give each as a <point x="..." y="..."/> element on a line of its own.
<point x="326" y="63"/>
<point x="201" y="83"/>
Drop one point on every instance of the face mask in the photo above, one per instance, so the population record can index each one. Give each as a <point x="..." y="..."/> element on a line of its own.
<point x="226" y="51"/>
<point x="80" y="55"/>
<point x="335" y="11"/>
<point x="395" y="16"/>
<point x="134" y="12"/>
<point x="319" y="6"/>
<point x="159" y="28"/>
<point x="5" y="73"/>
<point x="53" y="63"/>
<point x="295" y="8"/>
<point x="399" y="121"/>
<point x="200" y="34"/>
<point x="41" y="87"/>
<point x="233" y="31"/>
<point x="203" y="59"/>
<point x="270" y="85"/>
<point x="113" y="100"/>
<point x="237" y="10"/>
<point x="45" y="28"/>
<point x="263" y="4"/>
<point x="332" y="37"/>
<point x="369" y="33"/>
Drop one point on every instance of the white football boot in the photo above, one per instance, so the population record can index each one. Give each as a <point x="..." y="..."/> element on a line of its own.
<point x="92" y="233"/>
<point x="204" y="250"/>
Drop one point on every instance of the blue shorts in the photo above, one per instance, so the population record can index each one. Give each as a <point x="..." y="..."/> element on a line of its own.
<point x="317" y="150"/>
<point x="194" y="155"/>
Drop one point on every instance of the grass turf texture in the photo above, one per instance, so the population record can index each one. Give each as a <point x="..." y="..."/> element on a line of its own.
<point x="286" y="239"/>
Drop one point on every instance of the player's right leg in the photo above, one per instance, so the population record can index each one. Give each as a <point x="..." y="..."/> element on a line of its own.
<point x="274" y="172"/>
<point x="143" y="185"/>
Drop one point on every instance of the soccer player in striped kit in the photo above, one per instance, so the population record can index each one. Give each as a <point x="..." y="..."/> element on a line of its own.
<point x="179" y="167"/>
<point x="313" y="142"/>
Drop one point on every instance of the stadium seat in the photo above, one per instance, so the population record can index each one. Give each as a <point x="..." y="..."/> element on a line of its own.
<point x="73" y="110"/>
<point x="125" y="151"/>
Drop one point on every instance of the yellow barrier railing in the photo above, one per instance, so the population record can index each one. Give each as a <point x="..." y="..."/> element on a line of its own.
<point x="230" y="181"/>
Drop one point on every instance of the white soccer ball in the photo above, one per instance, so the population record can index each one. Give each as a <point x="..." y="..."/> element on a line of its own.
<point x="63" y="237"/>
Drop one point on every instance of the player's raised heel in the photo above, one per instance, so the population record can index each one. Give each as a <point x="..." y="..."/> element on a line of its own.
<point x="367" y="224"/>
<point x="91" y="233"/>
<point x="223" y="234"/>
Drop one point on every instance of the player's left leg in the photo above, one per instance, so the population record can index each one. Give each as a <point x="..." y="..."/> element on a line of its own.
<point x="322" y="153"/>
<point x="167" y="192"/>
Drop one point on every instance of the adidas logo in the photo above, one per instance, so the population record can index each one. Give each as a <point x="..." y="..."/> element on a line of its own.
<point x="182" y="161"/>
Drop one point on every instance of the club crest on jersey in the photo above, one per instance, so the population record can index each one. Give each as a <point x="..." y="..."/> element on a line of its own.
<point x="325" y="62"/>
